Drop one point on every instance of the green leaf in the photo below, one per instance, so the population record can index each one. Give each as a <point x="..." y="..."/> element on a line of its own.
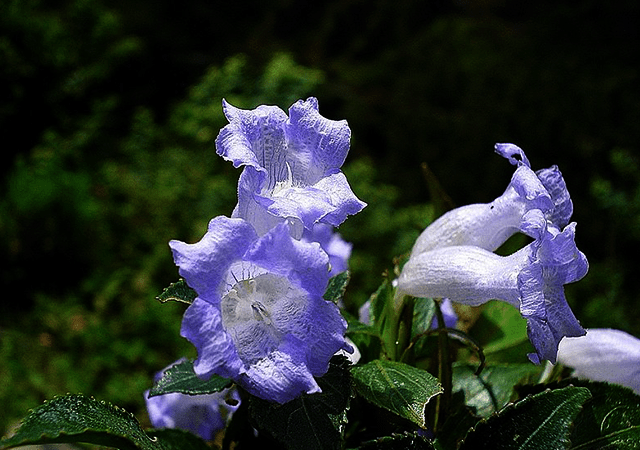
<point x="384" y="317"/>
<point x="542" y="421"/>
<point x="492" y="389"/>
<point x="178" y="292"/>
<point x="337" y="287"/>
<point x="397" y="387"/>
<point x="76" y="418"/>
<point x="174" y="439"/>
<point x="311" y="421"/>
<point x="502" y="333"/>
<point x="424" y="310"/>
<point x="610" y="420"/>
<point x="181" y="378"/>
<point x="398" y="442"/>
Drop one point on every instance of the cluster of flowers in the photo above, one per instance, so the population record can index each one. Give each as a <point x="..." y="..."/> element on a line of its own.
<point x="259" y="318"/>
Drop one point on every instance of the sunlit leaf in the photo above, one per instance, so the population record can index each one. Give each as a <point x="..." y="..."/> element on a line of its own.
<point x="181" y="378"/>
<point x="492" y="389"/>
<point x="178" y="292"/>
<point x="402" y="389"/>
<point x="542" y="421"/>
<point x="76" y="418"/>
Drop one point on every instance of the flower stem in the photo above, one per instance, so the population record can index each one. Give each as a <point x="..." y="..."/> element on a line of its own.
<point x="444" y="371"/>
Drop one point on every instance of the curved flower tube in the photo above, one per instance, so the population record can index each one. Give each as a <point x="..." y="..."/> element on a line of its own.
<point x="489" y="225"/>
<point x="291" y="166"/>
<point x="203" y="415"/>
<point x="603" y="354"/>
<point x="530" y="279"/>
<point x="259" y="317"/>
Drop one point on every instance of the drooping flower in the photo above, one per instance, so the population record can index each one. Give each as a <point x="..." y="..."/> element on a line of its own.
<point x="332" y="243"/>
<point x="259" y="317"/>
<point x="531" y="279"/>
<point x="203" y="415"/>
<point x="603" y="354"/>
<point x="291" y="166"/>
<point x="489" y="225"/>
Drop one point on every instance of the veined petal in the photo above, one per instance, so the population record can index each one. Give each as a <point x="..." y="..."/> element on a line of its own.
<point x="254" y="138"/>
<point x="292" y="165"/>
<point x="531" y="279"/>
<point x="203" y="263"/>
<point x="317" y="146"/>
<point x="260" y="314"/>
<point x="217" y="354"/>
<point x="279" y="379"/>
<point x="553" y="181"/>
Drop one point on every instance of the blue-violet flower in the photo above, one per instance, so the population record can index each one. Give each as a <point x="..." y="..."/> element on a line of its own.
<point x="603" y="354"/>
<point x="203" y="415"/>
<point x="332" y="243"/>
<point x="489" y="225"/>
<point x="291" y="166"/>
<point x="259" y="317"/>
<point x="531" y="279"/>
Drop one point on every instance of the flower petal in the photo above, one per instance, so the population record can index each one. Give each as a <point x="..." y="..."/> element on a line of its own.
<point x="513" y="153"/>
<point x="317" y="146"/>
<point x="203" y="263"/>
<point x="603" y="355"/>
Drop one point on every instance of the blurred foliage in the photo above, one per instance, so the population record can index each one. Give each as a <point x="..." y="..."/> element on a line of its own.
<point x="109" y="115"/>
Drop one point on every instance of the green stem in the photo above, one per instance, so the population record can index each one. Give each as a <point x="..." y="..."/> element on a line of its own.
<point x="444" y="371"/>
<point x="405" y="326"/>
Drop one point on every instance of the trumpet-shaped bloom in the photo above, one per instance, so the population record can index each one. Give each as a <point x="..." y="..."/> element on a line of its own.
<point x="603" y="355"/>
<point x="532" y="279"/>
<point x="203" y="415"/>
<point x="291" y="166"/>
<point x="259" y="317"/>
<point x="489" y="225"/>
<point x="332" y="243"/>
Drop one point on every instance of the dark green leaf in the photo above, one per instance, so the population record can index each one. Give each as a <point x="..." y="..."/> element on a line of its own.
<point x="398" y="442"/>
<point x="311" y="421"/>
<point x="384" y="317"/>
<point x="397" y="387"/>
<point x="501" y="329"/>
<point x="610" y="420"/>
<point x="540" y="422"/>
<point x="76" y="418"/>
<point x="181" y="378"/>
<point x="178" y="292"/>
<point x="492" y="389"/>
<point x="456" y="423"/>
<point x="174" y="439"/>
<point x="337" y="287"/>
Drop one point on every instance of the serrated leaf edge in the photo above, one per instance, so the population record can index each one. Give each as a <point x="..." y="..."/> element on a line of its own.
<point x="507" y="407"/>
<point x="45" y="435"/>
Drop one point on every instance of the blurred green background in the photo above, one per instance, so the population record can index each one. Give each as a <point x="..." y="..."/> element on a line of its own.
<point x="109" y="110"/>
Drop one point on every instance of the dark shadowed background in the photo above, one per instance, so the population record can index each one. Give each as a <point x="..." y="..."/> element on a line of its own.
<point x="109" y="111"/>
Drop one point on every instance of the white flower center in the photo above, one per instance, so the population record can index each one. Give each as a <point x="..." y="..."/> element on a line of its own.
<point x="258" y="312"/>
<point x="285" y="184"/>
